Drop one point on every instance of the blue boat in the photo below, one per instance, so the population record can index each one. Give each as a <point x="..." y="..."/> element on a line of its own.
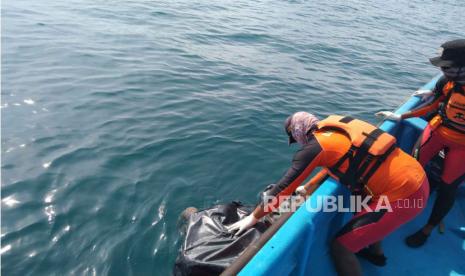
<point x="300" y="246"/>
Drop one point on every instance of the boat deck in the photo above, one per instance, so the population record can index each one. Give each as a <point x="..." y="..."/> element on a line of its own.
<point x="443" y="254"/>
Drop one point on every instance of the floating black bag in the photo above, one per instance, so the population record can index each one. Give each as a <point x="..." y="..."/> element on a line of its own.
<point x="208" y="247"/>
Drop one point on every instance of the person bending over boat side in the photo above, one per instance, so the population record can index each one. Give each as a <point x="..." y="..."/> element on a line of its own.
<point x="445" y="131"/>
<point x="367" y="161"/>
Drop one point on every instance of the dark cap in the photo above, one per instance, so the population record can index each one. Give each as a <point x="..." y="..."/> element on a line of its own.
<point x="452" y="54"/>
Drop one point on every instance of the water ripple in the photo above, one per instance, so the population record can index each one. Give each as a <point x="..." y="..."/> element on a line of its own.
<point x="117" y="115"/>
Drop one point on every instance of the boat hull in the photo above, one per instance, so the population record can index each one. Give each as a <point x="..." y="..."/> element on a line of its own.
<point x="300" y="247"/>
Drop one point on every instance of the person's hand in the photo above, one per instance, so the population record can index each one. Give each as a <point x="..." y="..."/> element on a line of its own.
<point x="301" y="191"/>
<point x="389" y="115"/>
<point x="242" y="225"/>
<point x="423" y="94"/>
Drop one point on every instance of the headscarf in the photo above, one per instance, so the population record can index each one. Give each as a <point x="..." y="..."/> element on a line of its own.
<point x="299" y="126"/>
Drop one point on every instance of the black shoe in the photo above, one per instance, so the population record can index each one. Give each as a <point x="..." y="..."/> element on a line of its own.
<point x="378" y="260"/>
<point x="417" y="239"/>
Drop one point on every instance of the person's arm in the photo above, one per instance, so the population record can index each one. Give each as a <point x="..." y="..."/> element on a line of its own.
<point x="304" y="162"/>
<point x="423" y="111"/>
<point x="433" y="106"/>
<point x="313" y="183"/>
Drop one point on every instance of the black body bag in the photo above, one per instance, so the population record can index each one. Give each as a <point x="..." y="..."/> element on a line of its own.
<point x="208" y="248"/>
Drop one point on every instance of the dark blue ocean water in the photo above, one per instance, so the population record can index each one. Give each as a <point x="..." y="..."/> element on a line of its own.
<point x="117" y="115"/>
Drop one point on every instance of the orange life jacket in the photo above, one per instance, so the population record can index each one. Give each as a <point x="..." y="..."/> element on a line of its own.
<point x="452" y="112"/>
<point x="370" y="147"/>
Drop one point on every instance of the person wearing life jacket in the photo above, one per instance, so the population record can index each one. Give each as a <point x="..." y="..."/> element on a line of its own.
<point x="445" y="131"/>
<point x="367" y="161"/>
